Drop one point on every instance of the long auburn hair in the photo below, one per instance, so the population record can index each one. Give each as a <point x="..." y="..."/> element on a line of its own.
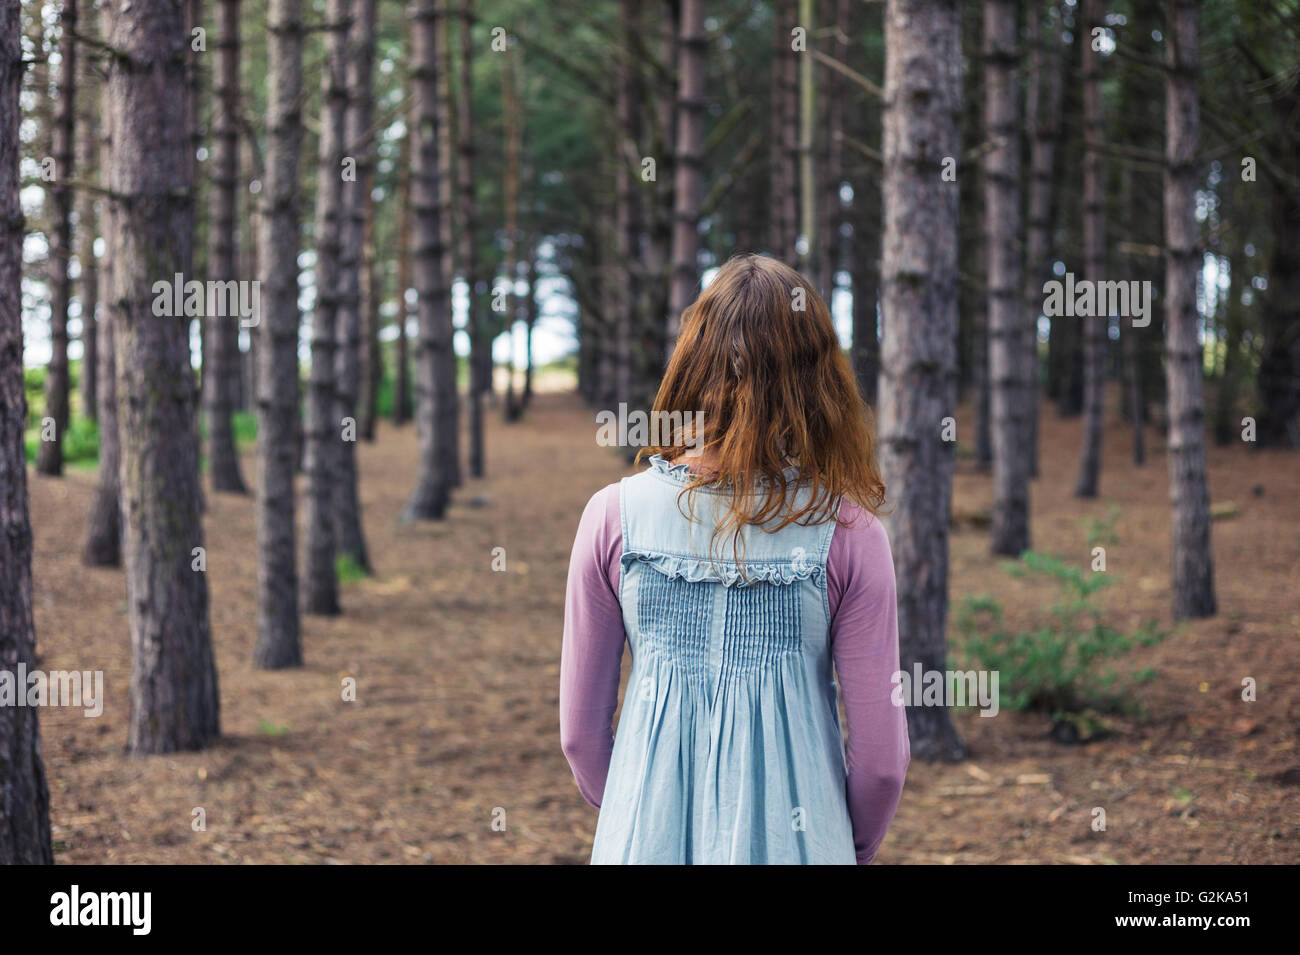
<point x="774" y="390"/>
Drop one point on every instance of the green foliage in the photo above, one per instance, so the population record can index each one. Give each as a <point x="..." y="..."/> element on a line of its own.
<point x="267" y="728"/>
<point x="1060" y="667"/>
<point x="347" y="569"/>
<point x="80" y="442"/>
<point x="1101" y="531"/>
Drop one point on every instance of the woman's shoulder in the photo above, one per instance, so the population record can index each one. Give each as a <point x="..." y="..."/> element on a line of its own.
<point x="859" y="536"/>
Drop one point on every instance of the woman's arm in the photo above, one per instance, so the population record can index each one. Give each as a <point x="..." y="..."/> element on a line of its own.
<point x="864" y="643"/>
<point x="592" y="653"/>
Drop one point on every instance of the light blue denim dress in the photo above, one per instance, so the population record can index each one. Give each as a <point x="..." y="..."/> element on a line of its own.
<point x="728" y="747"/>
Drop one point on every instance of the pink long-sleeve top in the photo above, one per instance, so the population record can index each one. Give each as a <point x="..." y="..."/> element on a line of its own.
<point x="864" y="645"/>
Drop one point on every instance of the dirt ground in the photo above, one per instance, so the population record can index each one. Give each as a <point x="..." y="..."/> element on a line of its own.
<point x="457" y="670"/>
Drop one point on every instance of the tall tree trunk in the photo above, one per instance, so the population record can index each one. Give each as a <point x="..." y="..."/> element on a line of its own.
<point x="49" y="459"/>
<point x="174" y="700"/>
<point x="448" y="368"/>
<point x="918" y="384"/>
<point x="278" y="641"/>
<point x="24" y="795"/>
<point x="806" y="254"/>
<point x="435" y="479"/>
<point x="1193" y="555"/>
<point x="221" y="351"/>
<point x="627" y="214"/>
<point x="785" y="140"/>
<point x="401" y="359"/>
<point x="349" y="538"/>
<point x="467" y="236"/>
<point x="1043" y="125"/>
<point x="688" y="163"/>
<point x="87" y="227"/>
<point x="510" y="199"/>
<point x="372" y="296"/>
<point x="324" y="428"/>
<point x="102" y="543"/>
<point x="1009" y="408"/>
<point x="1279" y="365"/>
<point x="1094" y="253"/>
<point x="831" y="215"/>
<point x="250" y="262"/>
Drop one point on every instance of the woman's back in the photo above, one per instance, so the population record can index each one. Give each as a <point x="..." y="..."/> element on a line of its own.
<point x="741" y="589"/>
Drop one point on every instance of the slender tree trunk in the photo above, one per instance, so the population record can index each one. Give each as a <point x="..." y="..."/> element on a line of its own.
<point x="831" y="215"/>
<point x="87" y="227"/>
<point x="278" y="642"/>
<point x="628" y="213"/>
<point x="24" y="795"/>
<point x="447" y="380"/>
<point x="49" y="458"/>
<point x="1009" y="409"/>
<point x="174" y="699"/>
<point x="402" y="360"/>
<point x="221" y="351"/>
<point x="350" y="539"/>
<point x="435" y="479"/>
<point x="687" y="165"/>
<point x="467" y="237"/>
<point x="1193" y="555"/>
<point x="510" y="199"/>
<point x="372" y="355"/>
<point x="1094" y="254"/>
<point x="250" y="262"/>
<point x="1279" y="364"/>
<point x="806" y="255"/>
<point x="1043" y="124"/>
<point x="102" y="546"/>
<point x="102" y="543"/>
<point x="918" y="383"/>
<point x="324" y="428"/>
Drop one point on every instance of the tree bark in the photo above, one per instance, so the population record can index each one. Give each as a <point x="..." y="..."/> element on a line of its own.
<point x="278" y="642"/>
<point x="87" y="227"/>
<point x="1094" y="254"/>
<point x="1043" y="125"/>
<point x="402" y="360"/>
<point x="467" y="233"/>
<point x="349" y="537"/>
<point x="49" y="458"/>
<point x="174" y="699"/>
<point x="324" y="427"/>
<point x="221" y="350"/>
<point x="24" y="794"/>
<point x="435" y="478"/>
<point x="918" y="384"/>
<point x="1009" y="398"/>
<point x="688" y="162"/>
<point x="1193" y="555"/>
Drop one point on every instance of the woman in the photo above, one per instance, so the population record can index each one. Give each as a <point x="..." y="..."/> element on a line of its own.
<point x="738" y="566"/>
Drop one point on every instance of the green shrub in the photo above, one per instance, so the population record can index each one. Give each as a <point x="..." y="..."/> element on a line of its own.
<point x="1067" y="664"/>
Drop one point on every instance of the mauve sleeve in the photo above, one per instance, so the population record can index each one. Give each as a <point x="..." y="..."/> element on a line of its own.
<point x="592" y="652"/>
<point x="864" y="643"/>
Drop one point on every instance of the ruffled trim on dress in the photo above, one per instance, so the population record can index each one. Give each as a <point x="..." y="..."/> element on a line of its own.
<point x="695" y="570"/>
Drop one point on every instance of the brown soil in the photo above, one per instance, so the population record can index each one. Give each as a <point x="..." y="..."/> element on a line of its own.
<point x="457" y="671"/>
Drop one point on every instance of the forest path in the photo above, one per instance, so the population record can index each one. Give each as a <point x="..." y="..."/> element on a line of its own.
<point x="457" y="665"/>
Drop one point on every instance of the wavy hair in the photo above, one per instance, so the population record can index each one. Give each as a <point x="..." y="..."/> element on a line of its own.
<point x="759" y="359"/>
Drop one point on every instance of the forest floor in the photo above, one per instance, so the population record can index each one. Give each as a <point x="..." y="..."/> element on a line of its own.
<point x="457" y="669"/>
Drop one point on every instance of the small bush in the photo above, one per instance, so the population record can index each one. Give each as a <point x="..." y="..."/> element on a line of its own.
<point x="1060" y="667"/>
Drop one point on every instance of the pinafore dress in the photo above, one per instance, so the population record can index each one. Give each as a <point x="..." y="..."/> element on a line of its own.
<point x="728" y="746"/>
